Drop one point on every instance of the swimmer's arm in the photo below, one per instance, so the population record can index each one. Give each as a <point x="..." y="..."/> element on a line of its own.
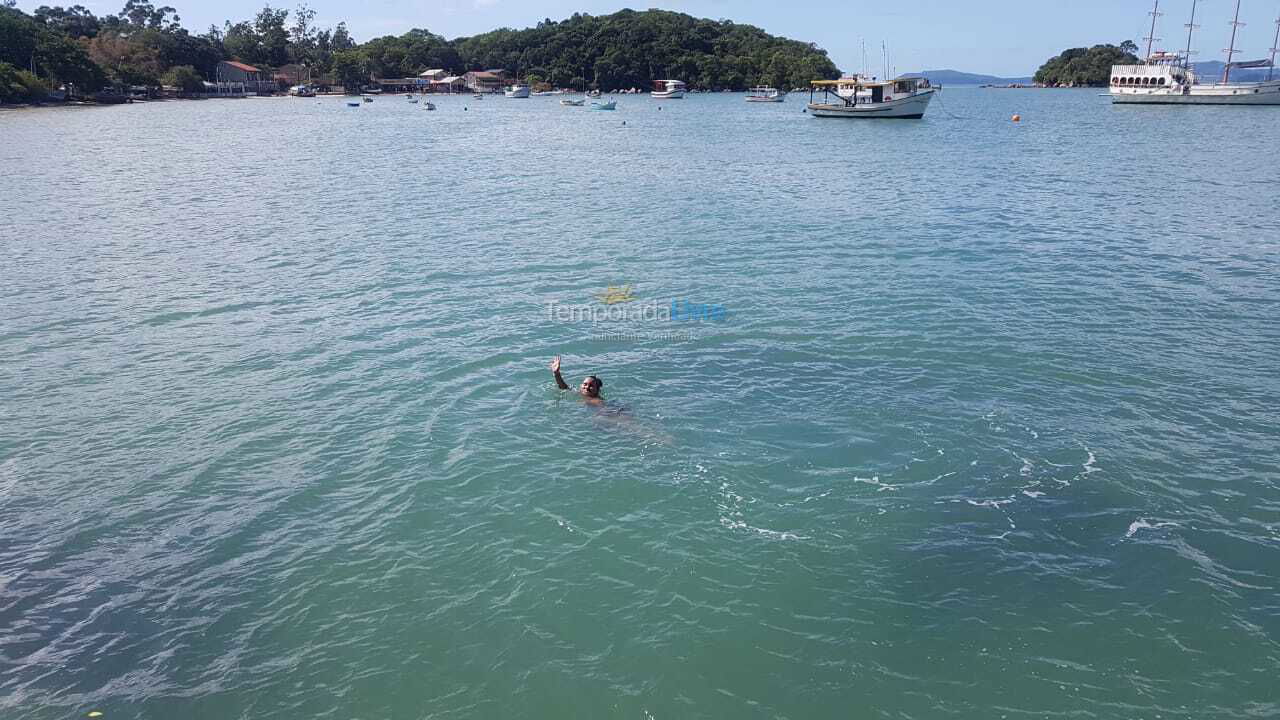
<point x="555" y="371"/>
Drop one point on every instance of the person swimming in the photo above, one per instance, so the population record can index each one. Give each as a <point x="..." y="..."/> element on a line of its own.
<point x="589" y="389"/>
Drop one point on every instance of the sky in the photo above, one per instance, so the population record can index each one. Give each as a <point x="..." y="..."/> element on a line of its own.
<point x="997" y="37"/>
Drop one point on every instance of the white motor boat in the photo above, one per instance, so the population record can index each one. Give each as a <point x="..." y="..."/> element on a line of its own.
<point x="668" y="89"/>
<point x="517" y="91"/>
<point x="429" y="105"/>
<point x="904" y="98"/>
<point x="1167" y="78"/>
<point x="569" y="102"/>
<point x="766" y="94"/>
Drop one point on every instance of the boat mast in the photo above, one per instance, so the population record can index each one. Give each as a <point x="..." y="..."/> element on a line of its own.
<point x="1275" y="48"/>
<point x="1231" y="51"/>
<point x="884" y="54"/>
<point x="1151" y="36"/>
<point x="1191" y="28"/>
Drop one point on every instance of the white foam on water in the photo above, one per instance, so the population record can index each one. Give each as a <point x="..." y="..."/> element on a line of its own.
<point x="1148" y="524"/>
<point x="1089" y="466"/>
<point x="766" y="532"/>
<point x="1033" y="494"/>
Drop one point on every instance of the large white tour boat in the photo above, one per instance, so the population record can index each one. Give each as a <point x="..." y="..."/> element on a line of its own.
<point x="668" y="89"/>
<point x="857" y="97"/>
<point x="1167" y="78"/>
<point x="517" y="90"/>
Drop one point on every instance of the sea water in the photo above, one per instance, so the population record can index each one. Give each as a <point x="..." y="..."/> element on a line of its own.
<point x="958" y="417"/>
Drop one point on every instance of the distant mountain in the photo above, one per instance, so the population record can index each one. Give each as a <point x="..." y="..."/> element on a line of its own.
<point x="955" y="77"/>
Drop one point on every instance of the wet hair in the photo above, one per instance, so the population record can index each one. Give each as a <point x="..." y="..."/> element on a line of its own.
<point x="598" y="382"/>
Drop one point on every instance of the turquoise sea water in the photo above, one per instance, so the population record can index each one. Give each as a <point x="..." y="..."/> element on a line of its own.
<point x="987" y="428"/>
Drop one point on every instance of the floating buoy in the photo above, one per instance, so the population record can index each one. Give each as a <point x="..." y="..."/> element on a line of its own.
<point x="624" y="122"/>
<point x="1017" y="118"/>
<point x="95" y="714"/>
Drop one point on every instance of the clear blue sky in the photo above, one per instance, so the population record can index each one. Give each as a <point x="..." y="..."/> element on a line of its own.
<point x="999" y="37"/>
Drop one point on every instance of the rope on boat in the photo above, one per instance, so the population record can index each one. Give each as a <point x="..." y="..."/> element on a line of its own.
<point x="946" y="110"/>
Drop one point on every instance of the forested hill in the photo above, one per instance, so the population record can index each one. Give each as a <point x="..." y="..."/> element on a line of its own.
<point x="147" y="45"/>
<point x="631" y="49"/>
<point x="622" y="50"/>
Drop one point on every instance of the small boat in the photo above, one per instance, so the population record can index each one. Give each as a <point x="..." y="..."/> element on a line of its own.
<point x="517" y="91"/>
<point x="567" y="102"/>
<point x="429" y="105"/>
<point x="611" y="105"/>
<point x="413" y="100"/>
<point x="477" y="96"/>
<point x="904" y="98"/>
<point x="353" y="103"/>
<point x="667" y="89"/>
<point x="366" y="98"/>
<point x="594" y="94"/>
<point x="764" y="93"/>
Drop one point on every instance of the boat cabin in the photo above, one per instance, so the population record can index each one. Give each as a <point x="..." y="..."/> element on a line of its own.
<point x="858" y="90"/>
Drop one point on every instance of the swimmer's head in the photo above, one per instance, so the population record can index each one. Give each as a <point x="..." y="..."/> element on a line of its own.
<point x="591" y="386"/>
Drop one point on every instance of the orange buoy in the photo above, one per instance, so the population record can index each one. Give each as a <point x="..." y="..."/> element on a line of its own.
<point x="1017" y="118"/>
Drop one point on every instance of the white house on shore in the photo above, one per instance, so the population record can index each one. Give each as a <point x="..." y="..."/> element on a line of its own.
<point x="251" y="78"/>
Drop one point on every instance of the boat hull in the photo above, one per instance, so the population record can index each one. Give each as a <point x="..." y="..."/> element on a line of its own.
<point x="909" y="108"/>
<point x="1243" y="94"/>
<point x="667" y="94"/>
<point x="517" y="93"/>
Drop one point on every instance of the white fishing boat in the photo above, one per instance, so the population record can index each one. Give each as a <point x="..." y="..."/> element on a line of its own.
<point x="1168" y="78"/>
<point x="668" y="89"/>
<point x="516" y="91"/>
<point x="569" y="102"/>
<point x="905" y="98"/>
<point x="611" y="105"/>
<point x="766" y="94"/>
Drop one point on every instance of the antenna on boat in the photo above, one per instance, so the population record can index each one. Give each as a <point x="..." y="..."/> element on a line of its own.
<point x="1191" y="28"/>
<point x="1231" y="51"/>
<point x="1275" y="48"/>
<point x="884" y="53"/>
<point x="1151" y="36"/>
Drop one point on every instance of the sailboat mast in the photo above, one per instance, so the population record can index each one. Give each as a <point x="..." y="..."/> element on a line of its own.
<point x="884" y="55"/>
<point x="1231" y="51"/>
<point x="1275" y="48"/>
<point x="1191" y="28"/>
<point x="1151" y="36"/>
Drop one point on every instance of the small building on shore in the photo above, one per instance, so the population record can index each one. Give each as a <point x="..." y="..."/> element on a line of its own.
<point x="248" y="76"/>
<point x="482" y="81"/>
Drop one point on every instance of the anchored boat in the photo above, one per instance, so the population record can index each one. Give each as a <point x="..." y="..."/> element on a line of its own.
<point x="668" y="89"/>
<point x="1167" y="78"/>
<point x="905" y="98"/>
<point x="766" y="94"/>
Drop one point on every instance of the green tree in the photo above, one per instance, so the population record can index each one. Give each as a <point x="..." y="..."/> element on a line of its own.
<point x="20" y="86"/>
<point x="1085" y="67"/>
<point x="351" y="69"/>
<point x="185" y="78"/>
